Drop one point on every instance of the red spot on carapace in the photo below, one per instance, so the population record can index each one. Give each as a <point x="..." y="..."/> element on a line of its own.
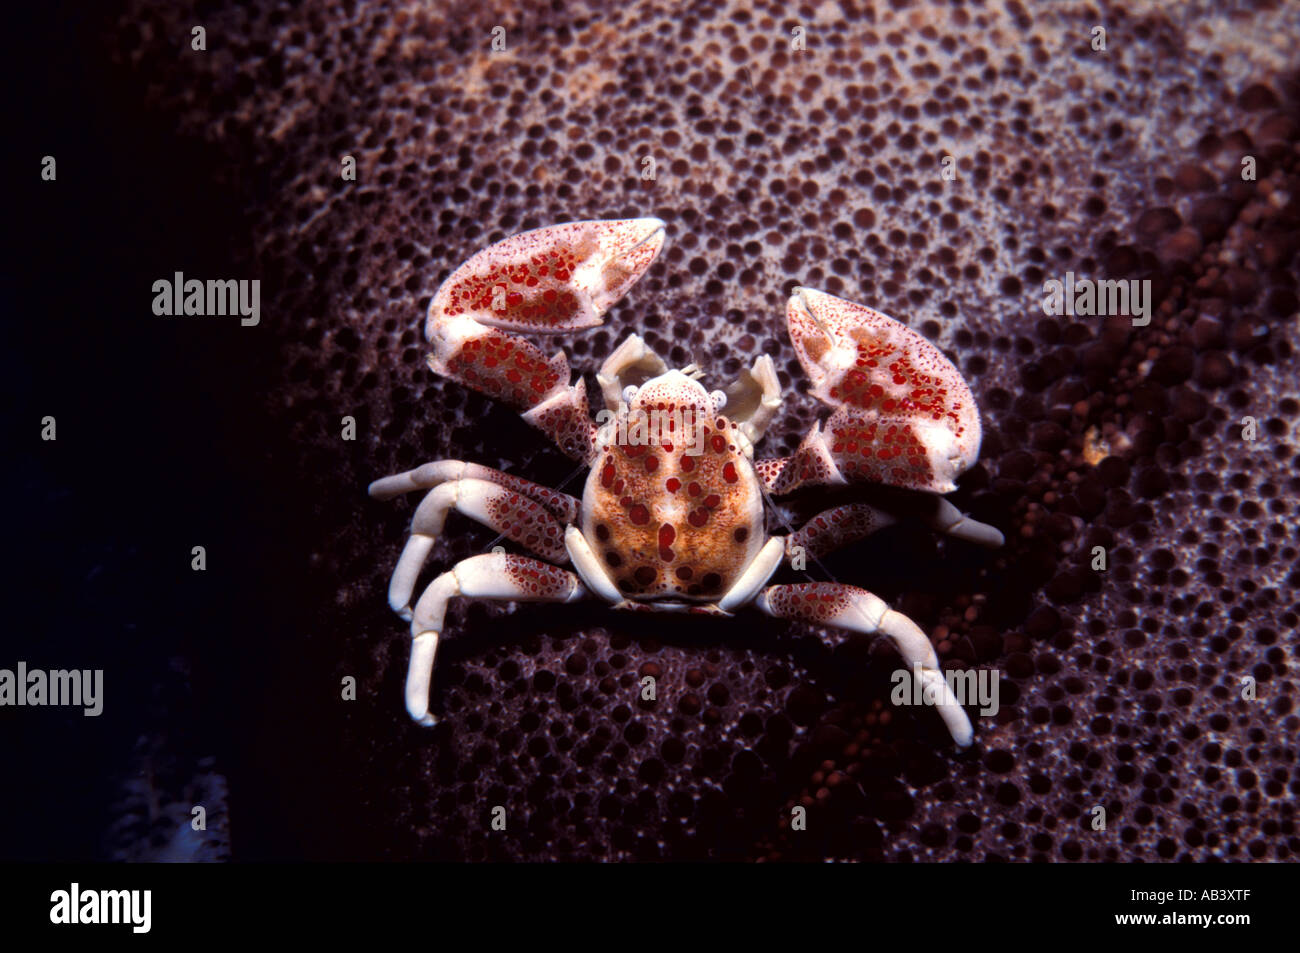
<point x="666" y="536"/>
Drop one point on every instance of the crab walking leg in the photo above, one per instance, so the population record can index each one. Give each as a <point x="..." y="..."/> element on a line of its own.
<point x="521" y="519"/>
<point x="843" y="525"/>
<point x="946" y="518"/>
<point x="848" y="607"/>
<point x="836" y="528"/>
<point x="497" y="576"/>
<point x="561" y="278"/>
<point x="436" y="472"/>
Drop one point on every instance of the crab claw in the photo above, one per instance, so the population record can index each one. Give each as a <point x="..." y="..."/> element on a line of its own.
<point x="558" y="278"/>
<point x="903" y="415"/>
<point x="548" y="280"/>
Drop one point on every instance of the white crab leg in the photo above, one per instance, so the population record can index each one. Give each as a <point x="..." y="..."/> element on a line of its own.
<point x="848" y="607"/>
<point x="948" y="519"/>
<point x="835" y="528"/>
<point x="843" y="525"/>
<point x="435" y="472"/>
<point x="498" y="576"/>
<point x="521" y="519"/>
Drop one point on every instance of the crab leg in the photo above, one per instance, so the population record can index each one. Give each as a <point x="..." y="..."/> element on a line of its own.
<point x="520" y="518"/>
<point x="854" y="609"/>
<point x="549" y="280"/>
<point x="496" y="576"/>
<point x="426" y="477"/>
<point x="838" y="527"/>
<point x="946" y="518"/>
<point x="902" y="416"/>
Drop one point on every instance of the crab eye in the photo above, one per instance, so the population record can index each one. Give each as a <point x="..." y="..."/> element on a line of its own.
<point x="719" y="399"/>
<point x="628" y="393"/>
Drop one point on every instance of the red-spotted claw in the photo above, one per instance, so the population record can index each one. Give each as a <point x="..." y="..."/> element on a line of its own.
<point x="561" y="278"/>
<point x="548" y="280"/>
<point x="903" y="415"/>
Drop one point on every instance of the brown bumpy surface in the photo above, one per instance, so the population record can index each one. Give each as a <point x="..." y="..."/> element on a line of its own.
<point x="772" y="168"/>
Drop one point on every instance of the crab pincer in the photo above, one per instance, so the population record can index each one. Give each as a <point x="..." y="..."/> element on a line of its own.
<point x="902" y="416"/>
<point x="557" y="279"/>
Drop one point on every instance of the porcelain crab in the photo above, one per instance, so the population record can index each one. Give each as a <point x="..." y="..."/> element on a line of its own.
<point x="672" y="517"/>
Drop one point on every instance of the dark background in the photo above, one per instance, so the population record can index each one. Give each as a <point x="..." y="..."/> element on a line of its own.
<point x="163" y="444"/>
